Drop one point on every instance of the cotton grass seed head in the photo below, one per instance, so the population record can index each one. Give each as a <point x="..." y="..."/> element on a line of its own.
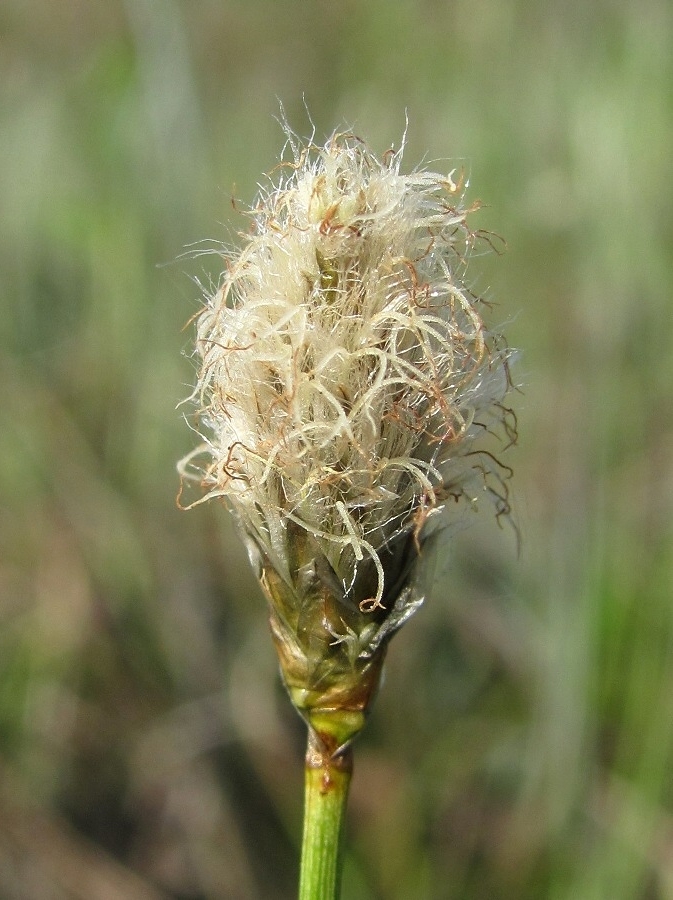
<point x="348" y="393"/>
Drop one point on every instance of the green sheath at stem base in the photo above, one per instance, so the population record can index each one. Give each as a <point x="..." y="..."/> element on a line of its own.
<point x="326" y="790"/>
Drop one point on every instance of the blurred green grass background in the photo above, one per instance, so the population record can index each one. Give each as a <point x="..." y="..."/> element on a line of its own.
<point x="522" y="744"/>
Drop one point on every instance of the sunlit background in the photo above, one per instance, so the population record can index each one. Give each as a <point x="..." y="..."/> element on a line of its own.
<point x="522" y="744"/>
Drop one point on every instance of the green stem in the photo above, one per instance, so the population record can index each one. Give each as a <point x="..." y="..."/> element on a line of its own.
<point x="326" y="791"/>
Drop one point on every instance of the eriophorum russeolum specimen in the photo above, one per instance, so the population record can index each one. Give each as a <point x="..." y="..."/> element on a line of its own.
<point x="348" y="393"/>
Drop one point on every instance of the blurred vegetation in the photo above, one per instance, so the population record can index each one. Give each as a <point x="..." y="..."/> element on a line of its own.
<point x="522" y="745"/>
